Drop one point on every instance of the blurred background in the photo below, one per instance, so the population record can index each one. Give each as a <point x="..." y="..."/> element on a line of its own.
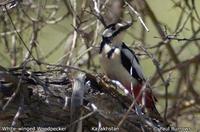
<point x="68" y="33"/>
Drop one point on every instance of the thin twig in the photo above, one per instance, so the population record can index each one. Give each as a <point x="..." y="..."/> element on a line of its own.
<point x="166" y="83"/>
<point x="138" y="16"/>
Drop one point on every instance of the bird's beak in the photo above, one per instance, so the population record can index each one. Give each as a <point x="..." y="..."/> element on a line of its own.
<point x="124" y="26"/>
<point x="107" y="33"/>
<point x="120" y="27"/>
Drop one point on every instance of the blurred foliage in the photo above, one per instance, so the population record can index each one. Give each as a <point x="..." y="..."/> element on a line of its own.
<point x="47" y="29"/>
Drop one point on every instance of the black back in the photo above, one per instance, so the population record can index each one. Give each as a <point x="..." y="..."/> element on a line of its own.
<point x="129" y="59"/>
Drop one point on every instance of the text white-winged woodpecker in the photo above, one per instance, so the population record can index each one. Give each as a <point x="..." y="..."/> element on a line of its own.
<point x="120" y="63"/>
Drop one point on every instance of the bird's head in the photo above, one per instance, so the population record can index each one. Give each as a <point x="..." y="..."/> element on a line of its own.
<point x="114" y="31"/>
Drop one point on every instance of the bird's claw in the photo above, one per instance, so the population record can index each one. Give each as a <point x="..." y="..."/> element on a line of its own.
<point x="120" y="86"/>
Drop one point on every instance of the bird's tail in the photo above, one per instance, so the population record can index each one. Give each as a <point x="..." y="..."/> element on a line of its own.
<point x="150" y="100"/>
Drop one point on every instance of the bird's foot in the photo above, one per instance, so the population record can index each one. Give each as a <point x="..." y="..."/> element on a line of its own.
<point x="120" y="86"/>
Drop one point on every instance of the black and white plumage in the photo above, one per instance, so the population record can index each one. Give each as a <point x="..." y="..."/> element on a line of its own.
<point x="115" y="54"/>
<point x="8" y="4"/>
<point x="120" y="63"/>
<point x="131" y="63"/>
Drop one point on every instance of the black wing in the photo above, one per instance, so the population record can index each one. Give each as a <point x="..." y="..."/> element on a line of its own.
<point x="130" y="60"/>
<point x="103" y="43"/>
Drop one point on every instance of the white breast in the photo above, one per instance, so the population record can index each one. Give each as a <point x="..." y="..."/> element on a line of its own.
<point x="113" y="68"/>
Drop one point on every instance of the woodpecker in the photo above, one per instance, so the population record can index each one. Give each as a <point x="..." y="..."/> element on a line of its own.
<point x="8" y="4"/>
<point x="120" y="63"/>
